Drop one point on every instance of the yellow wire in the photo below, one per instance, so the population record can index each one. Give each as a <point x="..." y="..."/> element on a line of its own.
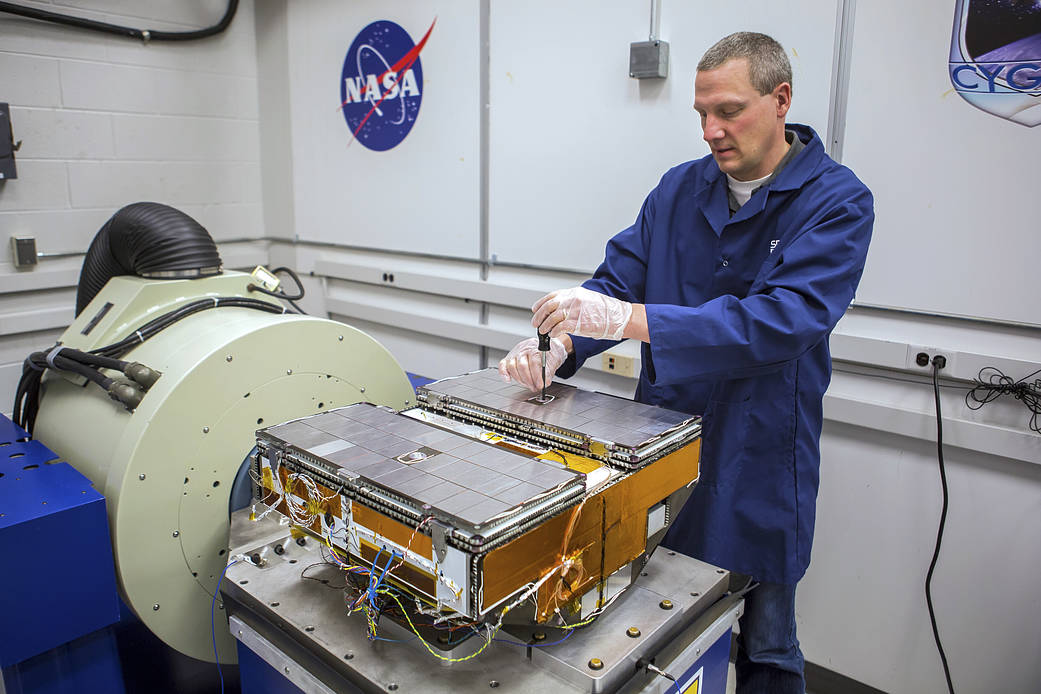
<point x="427" y="645"/>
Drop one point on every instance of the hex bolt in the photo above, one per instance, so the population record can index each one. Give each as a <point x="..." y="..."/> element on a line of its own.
<point x="141" y="477"/>
<point x="665" y="604"/>
<point x="596" y="664"/>
<point x="632" y="632"/>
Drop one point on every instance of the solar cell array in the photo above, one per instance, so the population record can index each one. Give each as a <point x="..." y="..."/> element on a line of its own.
<point x="471" y="480"/>
<point x="624" y="422"/>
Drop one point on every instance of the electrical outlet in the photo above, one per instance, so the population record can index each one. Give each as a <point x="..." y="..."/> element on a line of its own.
<point x="920" y="358"/>
<point x="618" y="364"/>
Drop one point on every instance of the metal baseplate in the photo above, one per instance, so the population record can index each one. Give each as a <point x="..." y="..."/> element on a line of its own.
<point x="287" y="606"/>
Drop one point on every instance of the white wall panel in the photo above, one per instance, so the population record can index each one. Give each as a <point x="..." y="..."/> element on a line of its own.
<point x="40" y="185"/>
<point x="576" y="144"/>
<point x="185" y="138"/>
<point x="229" y="220"/>
<point x="419" y="196"/>
<point x="956" y="230"/>
<point x="155" y="90"/>
<point x="861" y="607"/>
<point x="63" y="134"/>
<point x="119" y="182"/>
<point x="57" y="230"/>
<point x="29" y="80"/>
<point x="28" y="36"/>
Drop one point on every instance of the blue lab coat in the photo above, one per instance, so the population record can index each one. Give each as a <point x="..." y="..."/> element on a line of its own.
<point x="739" y="310"/>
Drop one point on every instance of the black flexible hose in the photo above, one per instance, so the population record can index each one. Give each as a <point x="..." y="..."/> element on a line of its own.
<point x="117" y="30"/>
<point x="147" y="239"/>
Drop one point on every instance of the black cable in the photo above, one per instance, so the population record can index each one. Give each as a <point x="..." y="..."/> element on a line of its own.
<point x="27" y="394"/>
<point x="992" y="384"/>
<point x="279" y="293"/>
<point x="943" y="520"/>
<point x="118" y="30"/>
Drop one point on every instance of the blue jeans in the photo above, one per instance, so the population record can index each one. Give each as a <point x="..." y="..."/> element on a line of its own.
<point x="768" y="657"/>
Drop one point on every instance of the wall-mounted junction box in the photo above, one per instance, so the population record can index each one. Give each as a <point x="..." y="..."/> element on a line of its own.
<point x="649" y="59"/>
<point x="23" y="251"/>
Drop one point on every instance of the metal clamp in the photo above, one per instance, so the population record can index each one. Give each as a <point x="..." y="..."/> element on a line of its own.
<point x="438" y="534"/>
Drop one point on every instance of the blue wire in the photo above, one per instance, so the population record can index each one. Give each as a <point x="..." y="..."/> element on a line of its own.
<point x="213" y="628"/>
<point x="536" y="645"/>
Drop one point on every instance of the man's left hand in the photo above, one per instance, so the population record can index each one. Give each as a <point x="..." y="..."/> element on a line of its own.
<point x="579" y="311"/>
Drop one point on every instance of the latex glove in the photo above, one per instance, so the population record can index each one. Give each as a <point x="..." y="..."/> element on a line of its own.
<point x="579" y="311"/>
<point x="524" y="364"/>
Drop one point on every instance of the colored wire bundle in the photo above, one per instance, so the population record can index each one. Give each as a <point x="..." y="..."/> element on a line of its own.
<point x="991" y="384"/>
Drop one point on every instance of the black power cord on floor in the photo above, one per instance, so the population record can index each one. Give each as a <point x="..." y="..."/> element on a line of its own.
<point x="938" y="363"/>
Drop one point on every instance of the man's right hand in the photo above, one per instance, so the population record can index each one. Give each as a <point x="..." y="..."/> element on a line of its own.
<point x="524" y="365"/>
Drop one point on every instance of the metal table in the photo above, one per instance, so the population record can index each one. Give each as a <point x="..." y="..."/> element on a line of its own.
<point x="677" y="616"/>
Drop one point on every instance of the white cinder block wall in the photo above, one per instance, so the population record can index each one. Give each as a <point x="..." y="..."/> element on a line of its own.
<point x="105" y="121"/>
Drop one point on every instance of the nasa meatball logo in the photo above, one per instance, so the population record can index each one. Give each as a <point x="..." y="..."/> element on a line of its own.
<point x="381" y="85"/>
<point x="995" y="61"/>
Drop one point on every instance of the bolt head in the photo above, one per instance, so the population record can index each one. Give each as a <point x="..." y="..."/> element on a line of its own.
<point x="141" y="476"/>
<point x="538" y="636"/>
<point x="633" y="633"/>
<point x="340" y="338"/>
<point x="205" y="430"/>
<point x="155" y="607"/>
<point x="362" y="389"/>
<point x="289" y="372"/>
<point x="228" y="358"/>
<point x="176" y="533"/>
<point x="596" y="664"/>
<point x="665" y="604"/>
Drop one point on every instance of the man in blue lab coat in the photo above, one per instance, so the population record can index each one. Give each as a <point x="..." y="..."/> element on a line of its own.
<point x="733" y="277"/>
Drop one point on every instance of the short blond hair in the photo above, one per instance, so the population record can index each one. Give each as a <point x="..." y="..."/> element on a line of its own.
<point x="768" y="64"/>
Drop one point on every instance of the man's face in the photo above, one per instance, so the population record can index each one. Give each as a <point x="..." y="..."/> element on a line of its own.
<point x="744" y="129"/>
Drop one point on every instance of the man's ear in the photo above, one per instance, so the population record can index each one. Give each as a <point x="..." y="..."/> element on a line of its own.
<point x="782" y="96"/>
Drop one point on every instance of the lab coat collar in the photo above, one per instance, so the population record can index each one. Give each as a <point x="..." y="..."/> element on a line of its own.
<point x="711" y="195"/>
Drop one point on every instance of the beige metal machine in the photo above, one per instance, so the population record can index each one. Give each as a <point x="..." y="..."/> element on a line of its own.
<point x="167" y="468"/>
